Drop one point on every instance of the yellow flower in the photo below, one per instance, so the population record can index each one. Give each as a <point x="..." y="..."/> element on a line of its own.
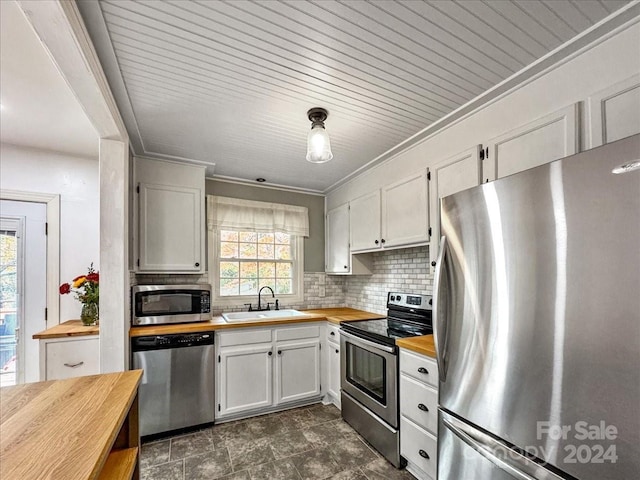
<point x="79" y="281"/>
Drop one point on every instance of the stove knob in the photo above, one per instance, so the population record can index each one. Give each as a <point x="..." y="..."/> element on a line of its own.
<point x="392" y="298"/>
<point x="398" y="298"/>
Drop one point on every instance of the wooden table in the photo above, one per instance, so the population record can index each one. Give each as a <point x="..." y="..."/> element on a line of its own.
<point x="76" y="429"/>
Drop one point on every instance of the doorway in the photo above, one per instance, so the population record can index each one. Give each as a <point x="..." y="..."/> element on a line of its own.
<point x="23" y="261"/>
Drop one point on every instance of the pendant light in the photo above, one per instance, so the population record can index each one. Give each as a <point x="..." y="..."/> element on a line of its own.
<point x="318" y="145"/>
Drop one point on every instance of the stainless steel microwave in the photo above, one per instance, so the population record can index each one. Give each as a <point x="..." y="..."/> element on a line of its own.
<point x="161" y="304"/>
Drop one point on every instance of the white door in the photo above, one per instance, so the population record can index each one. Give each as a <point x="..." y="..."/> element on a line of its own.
<point x="542" y="141"/>
<point x="23" y="300"/>
<point x="245" y="378"/>
<point x="364" y="220"/>
<point x="334" y="370"/>
<point x="450" y="176"/>
<point x="169" y="228"/>
<point x="614" y="113"/>
<point x="338" y="240"/>
<point x="297" y="371"/>
<point x="405" y="211"/>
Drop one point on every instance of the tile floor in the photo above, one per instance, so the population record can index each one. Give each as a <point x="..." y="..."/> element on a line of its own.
<point x="304" y="443"/>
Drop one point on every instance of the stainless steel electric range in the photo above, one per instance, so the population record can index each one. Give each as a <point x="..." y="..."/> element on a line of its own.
<point x="369" y="370"/>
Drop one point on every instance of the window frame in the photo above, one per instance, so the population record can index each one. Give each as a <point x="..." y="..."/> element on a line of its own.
<point x="297" y="279"/>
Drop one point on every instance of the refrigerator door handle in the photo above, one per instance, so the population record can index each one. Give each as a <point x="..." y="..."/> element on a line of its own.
<point x="439" y="334"/>
<point x="504" y="457"/>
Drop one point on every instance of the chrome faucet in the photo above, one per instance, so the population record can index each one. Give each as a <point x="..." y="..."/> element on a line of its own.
<point x="273" y="295"/>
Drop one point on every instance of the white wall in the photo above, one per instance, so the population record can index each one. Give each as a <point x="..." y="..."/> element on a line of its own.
<point x="611" y="61"/>
<point x="75" y="179"/>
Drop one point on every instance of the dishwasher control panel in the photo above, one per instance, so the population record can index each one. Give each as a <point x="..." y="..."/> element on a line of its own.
<point x="156" y="342"/>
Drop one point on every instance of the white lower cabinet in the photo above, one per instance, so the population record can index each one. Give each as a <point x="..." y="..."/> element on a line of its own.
<point x="332" y="365"/>
<point x="419" y="414"/>
<point x="69" y="357"/>
<point x="262" y="369"/>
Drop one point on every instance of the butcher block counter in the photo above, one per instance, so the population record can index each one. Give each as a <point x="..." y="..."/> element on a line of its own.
<point x="333" y="315"/>
<point x="76" y="429"/>
<point x="422" y="344"/>
<point x="70" y="328"/>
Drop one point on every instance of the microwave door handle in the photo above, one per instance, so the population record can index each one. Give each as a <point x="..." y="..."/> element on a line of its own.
<point x="357" y="340"/>
<point x="507" y="459"/>
<point x="439" y="332"/>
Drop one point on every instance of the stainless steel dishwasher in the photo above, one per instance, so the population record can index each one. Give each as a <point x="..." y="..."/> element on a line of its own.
<point x="177" y="388"/>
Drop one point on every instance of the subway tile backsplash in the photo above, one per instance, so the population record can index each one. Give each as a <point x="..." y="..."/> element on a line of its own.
<point x="403" y="270"/>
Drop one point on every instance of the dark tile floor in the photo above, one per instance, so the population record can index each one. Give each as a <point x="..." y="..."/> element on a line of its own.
<point x="304" y="443"/>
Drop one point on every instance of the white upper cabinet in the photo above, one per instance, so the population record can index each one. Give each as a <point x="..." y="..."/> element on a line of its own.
<point x="614" y="112"/>
<point x="365" y="222"/>
<point x="541" y="141"/>
<point x="450" y="176"/>
<point x="170" y="217"/>
<point x="405" y="211"/>
<point x="337" y="226"/>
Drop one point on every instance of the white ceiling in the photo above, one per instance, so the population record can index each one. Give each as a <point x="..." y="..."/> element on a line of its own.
<point x="230" y="82"/>
<point x="38" y="108"/>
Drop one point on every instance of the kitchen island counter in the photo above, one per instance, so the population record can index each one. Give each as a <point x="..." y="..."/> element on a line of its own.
<point x="79" y="428"/>
<point x="70" y="328"/>
<point x="422" y="344"/>
<point x="333" y="315"/>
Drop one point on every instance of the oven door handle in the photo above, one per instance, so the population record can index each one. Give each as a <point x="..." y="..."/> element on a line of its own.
<point x="358" y="340"/>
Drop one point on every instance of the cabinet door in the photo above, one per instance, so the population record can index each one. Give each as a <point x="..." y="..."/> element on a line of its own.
<point x="63" y="358"/>
<point x="614" y="113"/>
<point x="337" y="226"/>
<point x="405" y="211"/>
<point x="245" y="379"/>
<point x="547" y="139"/>
<point x="297" y="371"/>
<point x="450" y="176"/>
<point x="365" y="222"/>
<point x="170" y="228"/>
<point x="334" y="371"/>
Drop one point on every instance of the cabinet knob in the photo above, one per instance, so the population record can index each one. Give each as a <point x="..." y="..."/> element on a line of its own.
<point x="346" y="266"/>
<point x="197" y="264"/>
<point x="433" y="264"/>
<point x="423" y="370"/>
<point x="377" y="242"/>
<point x="383" y="240"/>
<point x="337" y="351"/>
<point x="270" y="353"/>
<point x="333" y="334"/>
<point x="423" y="454"/>
<point x="423" y="407"/>
<point x="279" y="352"/>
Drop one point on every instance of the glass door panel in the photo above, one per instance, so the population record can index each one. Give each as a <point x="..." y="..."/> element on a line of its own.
<point x="367" y="371"/>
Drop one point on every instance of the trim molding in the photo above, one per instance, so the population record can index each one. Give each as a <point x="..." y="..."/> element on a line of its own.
<point x="52" y="202"/>
<point x="272" y="186"/>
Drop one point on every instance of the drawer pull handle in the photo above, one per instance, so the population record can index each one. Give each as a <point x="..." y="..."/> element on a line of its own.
<point x="73" y="365"/>
<point x="423" y="454"/>
<point x="423" y="370"/>
<point x="423" y="407"/>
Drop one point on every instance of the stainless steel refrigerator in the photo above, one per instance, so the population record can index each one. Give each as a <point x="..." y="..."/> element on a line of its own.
<point x="537" y="307"/>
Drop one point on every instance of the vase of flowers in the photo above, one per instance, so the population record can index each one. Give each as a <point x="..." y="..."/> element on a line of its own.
<point x="87" y="290"/>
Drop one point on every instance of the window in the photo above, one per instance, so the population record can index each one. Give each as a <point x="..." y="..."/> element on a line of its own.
<point x="250" y="261"/>
<point x="252" y="245"/>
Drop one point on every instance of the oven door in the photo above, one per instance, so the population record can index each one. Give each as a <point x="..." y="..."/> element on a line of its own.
<point x="369" y="374"/>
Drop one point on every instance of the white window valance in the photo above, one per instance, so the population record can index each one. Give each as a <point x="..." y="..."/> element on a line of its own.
<point x="252" y="216"/>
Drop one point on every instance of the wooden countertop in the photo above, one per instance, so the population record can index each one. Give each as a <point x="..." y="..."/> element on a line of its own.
<point x="423" y="345"/>
<point x="63" y="429"/>
<point x="70" y="328"/>
<point x="333" y="315"/>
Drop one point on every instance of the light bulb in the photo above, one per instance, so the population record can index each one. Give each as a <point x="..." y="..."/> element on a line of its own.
<point x="318" y="145"/>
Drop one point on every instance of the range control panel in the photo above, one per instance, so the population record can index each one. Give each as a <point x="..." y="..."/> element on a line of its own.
<point x="409" y="300"/>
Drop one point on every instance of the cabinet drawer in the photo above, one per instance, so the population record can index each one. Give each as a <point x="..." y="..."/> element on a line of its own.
<point x="297" y="333"/>
<point x="419" y="367"/>
<point x="419" y="402"/>
<point x="333" y="333"/>
<point x="72" y="358"/>
<point x="418" y="446"/>
<point x="248" y="337"/>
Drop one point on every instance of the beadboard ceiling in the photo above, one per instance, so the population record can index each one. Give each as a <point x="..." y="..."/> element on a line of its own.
<point x="229" y="83"/>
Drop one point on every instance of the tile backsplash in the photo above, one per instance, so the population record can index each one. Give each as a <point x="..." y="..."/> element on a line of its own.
<point x="405" y="270"/>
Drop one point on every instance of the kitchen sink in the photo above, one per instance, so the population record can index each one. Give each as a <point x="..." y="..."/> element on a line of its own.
<point x="258" y="316"/>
